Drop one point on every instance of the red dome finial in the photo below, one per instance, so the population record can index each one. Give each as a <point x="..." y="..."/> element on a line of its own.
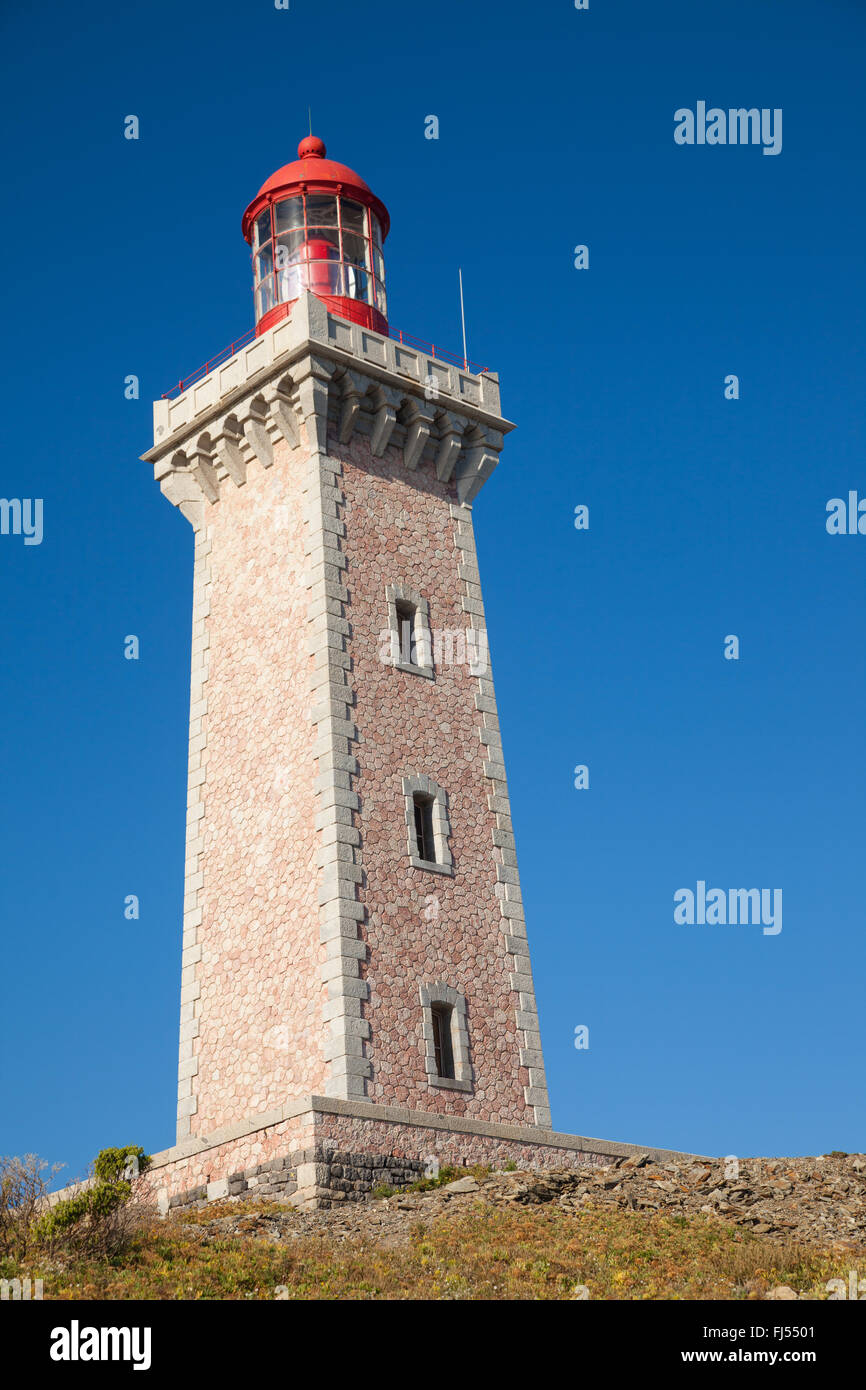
<point x="311" y="147"/>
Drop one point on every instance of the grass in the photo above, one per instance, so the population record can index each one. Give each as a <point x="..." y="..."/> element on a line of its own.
<point x="478" y="1253"/>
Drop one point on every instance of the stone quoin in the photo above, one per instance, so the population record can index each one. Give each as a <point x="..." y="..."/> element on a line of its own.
<point x="356" y="992"/>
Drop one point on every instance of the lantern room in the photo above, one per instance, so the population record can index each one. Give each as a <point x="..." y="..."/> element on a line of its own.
<point x="315" y="225"/>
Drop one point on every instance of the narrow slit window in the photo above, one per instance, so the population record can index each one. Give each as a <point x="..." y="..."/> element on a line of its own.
<point x="406" y="630"/>
<point x="424" y="828"/>
<point x="442" y="1050"/>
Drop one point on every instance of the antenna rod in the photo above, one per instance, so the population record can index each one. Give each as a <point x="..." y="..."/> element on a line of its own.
<point x="463" y="320"/>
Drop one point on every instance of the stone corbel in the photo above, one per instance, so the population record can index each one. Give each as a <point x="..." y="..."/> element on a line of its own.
<point x="386" y="404"/>
<point x="256" y="432"/>
<point x="231" y="448"/>
<point x="477" y="463"/>
<point x="450" y="444"/>
<point x="202" y="467"/>
<point x="313" y="404"/>
<point x="282" y="413"/>
<point x="419" y="427"/>
<point x="183" y="490"/>
<point x="353" y="389"/>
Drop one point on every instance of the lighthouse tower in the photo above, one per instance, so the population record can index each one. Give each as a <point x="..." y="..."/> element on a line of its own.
<point x="355" y="969"/>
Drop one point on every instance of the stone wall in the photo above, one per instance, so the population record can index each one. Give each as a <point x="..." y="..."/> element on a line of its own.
<point x="423" y="926"/>
<point x="318" y="468"/>
<point x="253" y="976"/>
<point x="341" y="1176"/>
<point x="331" y="1151"/>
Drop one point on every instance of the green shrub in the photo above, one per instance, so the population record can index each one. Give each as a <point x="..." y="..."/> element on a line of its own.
<point x="101" y="1216"/>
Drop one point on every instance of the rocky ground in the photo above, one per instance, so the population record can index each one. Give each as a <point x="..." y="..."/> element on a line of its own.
<point x="809" y="1200"/>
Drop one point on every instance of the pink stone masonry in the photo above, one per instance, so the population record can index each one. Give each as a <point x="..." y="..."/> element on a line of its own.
<point x="422" y="926"/>
<point x="261" y="996"/>
<point x="260" y="1004"/>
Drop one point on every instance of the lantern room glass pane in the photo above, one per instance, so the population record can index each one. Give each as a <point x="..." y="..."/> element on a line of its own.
<point x="263" y="227"/>
<point x="355" y="248"/>
<point x="356" y="281"/>
<point x="287" y="247"/>
<point x="289" y="283"/>
<point x="378" y="264"/>
<point x="379" y="299"/>
<point x="289" y="214"/>
<point x="264" y="263"/>
<point x="321" y="210"/>
<point x="265" y="297"/>
<point x="353" y="216"/>
<point x="322" y="277"/>
<point x="323" y="244"/>
<point x="377" y="230"/>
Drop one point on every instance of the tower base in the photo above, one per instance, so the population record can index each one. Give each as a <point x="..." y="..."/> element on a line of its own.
<point x="319" y="1151"/>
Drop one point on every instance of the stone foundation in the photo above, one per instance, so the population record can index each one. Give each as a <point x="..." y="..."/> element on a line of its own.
<point x="340" y="1177"/>
<point x="319" y="1151"/>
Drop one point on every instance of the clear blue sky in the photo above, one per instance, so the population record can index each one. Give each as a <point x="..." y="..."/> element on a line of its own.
<point x="706" y="517"/>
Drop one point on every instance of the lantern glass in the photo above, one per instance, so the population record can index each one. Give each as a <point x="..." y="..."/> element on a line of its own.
<point x="289" y="214"/>
<point x="264" y="263"/>
<point x="263" y="228"/>
<point x="328" y="245"/>
<point x="355" y="248"/>
<point x="265" y="297"/>
<point x="353" y="217"/>
<point x="321" y="210"/>
<point x="324" y="243"/>
<point x="288" y="243"/>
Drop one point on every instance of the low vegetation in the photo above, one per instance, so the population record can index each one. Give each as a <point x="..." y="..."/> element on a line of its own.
<point x="104" y="1243"/>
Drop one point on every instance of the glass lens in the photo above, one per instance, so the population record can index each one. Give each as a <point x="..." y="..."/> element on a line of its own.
<point x="323" y="243"/>
<point x="353" y="215"/>
<point x="288" y="283"/>
<point x="263" y="228"/>
<point x="321" y="277"/>
<point x="321" y="210"/>
<point x="286" y="249"/>
<point x="289" y="213"/>
<point x="354" y="248"/>
<point x="264" y="297"/>
<point x="356" y="281"/>
<point x="264" y="263"/>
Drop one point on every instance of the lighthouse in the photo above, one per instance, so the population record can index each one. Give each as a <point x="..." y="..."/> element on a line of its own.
<point x="356" y="990"/>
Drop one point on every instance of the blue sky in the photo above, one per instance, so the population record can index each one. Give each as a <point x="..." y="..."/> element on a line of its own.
<point x="706" y="518"/>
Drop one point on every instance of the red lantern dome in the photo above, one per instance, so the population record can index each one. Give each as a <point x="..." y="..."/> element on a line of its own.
<point x="315" y="225"/>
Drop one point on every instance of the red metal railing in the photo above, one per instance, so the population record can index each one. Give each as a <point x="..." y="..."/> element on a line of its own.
<point x="396" y="334"/>
<point x="208" y="366"/>
<point x="440" y="353"/>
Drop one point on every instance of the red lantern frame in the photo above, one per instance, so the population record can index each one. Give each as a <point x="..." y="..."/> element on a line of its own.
<point x="354" y="290"/>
